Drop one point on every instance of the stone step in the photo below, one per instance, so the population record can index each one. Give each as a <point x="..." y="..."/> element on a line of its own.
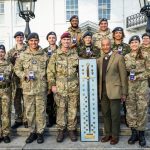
<point x="125" y="131"/>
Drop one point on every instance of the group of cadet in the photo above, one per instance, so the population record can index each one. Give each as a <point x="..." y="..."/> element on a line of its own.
<point x="41" y="81"/>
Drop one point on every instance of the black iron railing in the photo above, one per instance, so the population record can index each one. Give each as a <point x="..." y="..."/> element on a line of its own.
<point x="135" y="20"/>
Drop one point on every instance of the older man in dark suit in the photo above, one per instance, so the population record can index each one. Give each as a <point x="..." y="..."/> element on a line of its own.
<point x="112" y="90"/>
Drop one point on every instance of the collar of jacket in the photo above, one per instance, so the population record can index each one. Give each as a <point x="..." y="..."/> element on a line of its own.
<point x="70" y="51"/>
<point x="78" y="30"/>
<point x="22" y="49"/>
<point x="107" y="32"/>
<point x="38" y="52"/>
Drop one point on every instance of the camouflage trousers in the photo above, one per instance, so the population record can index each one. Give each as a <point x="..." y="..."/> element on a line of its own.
<point x="35" y="110"/>
<point x="5" y="112"/>
<point x="66" y="115"/>
<point x="137" y="104"/>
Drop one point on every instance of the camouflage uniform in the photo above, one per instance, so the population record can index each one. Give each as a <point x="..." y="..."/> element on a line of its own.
<point x="34" y="91"/>
<point x="83" y="51"/>
<point x="125" y="48"/>
<point x="75" y="33"/>
<point x="62" y="73"/>
<point x="5" y="98"/>
<point x="17" y="93"/>
<point x="51" y="105"/>
<point x="137" y="103"/>
<point x="99" y="35"/>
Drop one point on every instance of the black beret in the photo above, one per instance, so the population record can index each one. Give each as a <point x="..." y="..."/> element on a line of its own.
<point x="33" y="35"/>
<point x="103" y="19"/>
<point x="74" y="16"/>
<point x="19" y="33"/>
<point x="135" y="37"/>
<point x="118" y="29"/>
<point x="50" y="33"/>
<point x="146" y="34"/>
<point x="87" y="34"/>
<point x="2" y="47"/>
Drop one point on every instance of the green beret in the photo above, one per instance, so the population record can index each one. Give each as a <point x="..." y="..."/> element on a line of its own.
<point x="118" y="29"/>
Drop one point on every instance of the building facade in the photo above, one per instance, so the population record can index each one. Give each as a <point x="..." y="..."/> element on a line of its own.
<point x="53" y="15"/>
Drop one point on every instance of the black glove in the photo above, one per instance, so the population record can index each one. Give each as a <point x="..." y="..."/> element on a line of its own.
<point x="149" y="82"/>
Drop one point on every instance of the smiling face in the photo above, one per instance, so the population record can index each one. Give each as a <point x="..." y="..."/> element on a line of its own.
<point x="87" y="40"/>
<point x="103" y="25"/>
<point x="74" y="23"/>
<point x="118" y="35"/>
<point x="2" y="54"/>
<point x="146" y="40"/>
<point x="33" y="43"/>
<point x="134" y="45"/>
<point x="106" y="46"/>
<point x="19" y="39"/>
<point x="52" y="39"/>
<point x="66" y="42"/>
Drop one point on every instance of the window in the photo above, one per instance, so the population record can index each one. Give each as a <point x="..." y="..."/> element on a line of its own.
<point x="2" y="11"/>
<point x="104" y="9"/>
<point x="71" y="8"/>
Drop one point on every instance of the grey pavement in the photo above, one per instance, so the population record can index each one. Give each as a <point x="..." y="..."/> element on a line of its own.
<point x="18" y="143"/>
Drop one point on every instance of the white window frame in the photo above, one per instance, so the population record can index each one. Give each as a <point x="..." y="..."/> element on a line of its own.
<point x="71" y="9"/>
<point x="2" y="14"/>
<point x="104" y="9"/>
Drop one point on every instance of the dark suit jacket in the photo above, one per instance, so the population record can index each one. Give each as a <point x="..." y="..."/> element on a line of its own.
<point x="116" y="77"/>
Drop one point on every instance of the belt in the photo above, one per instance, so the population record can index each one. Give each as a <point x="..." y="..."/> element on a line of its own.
<point x="4" y="86"/>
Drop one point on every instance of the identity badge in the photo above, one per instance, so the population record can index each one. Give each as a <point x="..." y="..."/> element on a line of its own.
<point x="120" y="50"/>
<point x="74" y="40"/>
<point x="132" y="75"/>
<point x="49" y="53"/>
<point x="1" y="77"/>
<point x="31" y="75"/>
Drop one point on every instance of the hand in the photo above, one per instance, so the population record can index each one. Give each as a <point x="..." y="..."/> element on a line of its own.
<point x="54" y="89"/>
<point x="123" y="98"/>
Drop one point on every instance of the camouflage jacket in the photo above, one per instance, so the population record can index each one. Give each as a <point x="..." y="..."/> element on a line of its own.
<point x="35" y="62"/>
<point x="62" y="72"/>
<point x="6" y="70"/>
<point x="52" y="51"/>
<point x="145" y="49"/>
<point x="14" y="53"/>
<point x="75" y="34"/>
<point x="88" y="51"/>
<point x="98" y="36"/>
<point x="122" y="48"/>
<point x="141" y="67"/>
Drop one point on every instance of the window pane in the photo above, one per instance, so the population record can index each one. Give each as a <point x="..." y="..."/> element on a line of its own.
<point x="2" y="7"/>
<point x="71" y="8"/>
<point x="104" y="7"/>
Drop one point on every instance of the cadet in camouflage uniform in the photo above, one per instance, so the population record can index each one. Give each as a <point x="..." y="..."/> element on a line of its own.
<point x="121" y="48"/>
<point x="145" y="47"/>
<point x="5" y="96"/>
<point x="12" y="55"/>
<point x="63" y="80"/>
<point x="138" y="67"/>
<point x="87" y="49"/>
<point x="51" y="105"/>
<point x="118" y="45"/>
<point x="103" y="32"/>
<point x="31" y="69"/>
<point x="75" y="31"/>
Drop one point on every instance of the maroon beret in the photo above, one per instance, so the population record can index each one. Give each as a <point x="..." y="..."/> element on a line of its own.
<point x="66" y="35"/>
